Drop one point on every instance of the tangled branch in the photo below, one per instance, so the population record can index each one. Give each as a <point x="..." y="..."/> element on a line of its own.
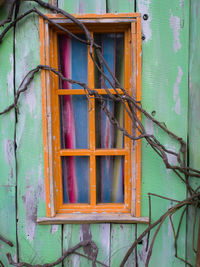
<point x="130" y="105"/>
<point x="63" y="257"/>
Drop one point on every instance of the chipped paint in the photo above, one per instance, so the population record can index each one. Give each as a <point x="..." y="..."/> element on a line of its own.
<point x="54" y="229"/>
<point x="176" y="91"/>
<point x="172" y="159"/>
<point x="149" y="126"/>
<point x="76" y="261"/>
<point x="31" y="199"/>
<point x="143" y="253"/>
<point x="41" y="185"/>
<point x="30" y="204"/>
<point x="175" y="26"/>
<point x="81" y="7"/>
<point x="10" y="76"/>
<point x="169" y="228"/>
<point x="8" y="151"/>
<point x="30" y="95"/>
<point x="30" y="98"/>
<point x="105" y="231"/>
<point x="85" y="234"/>
<point x="21" y="126"/>
<point x="144" y="8"/>
<point x="100" y="8"/>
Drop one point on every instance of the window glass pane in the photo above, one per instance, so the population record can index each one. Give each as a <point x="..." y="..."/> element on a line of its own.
<point x="112" y="47"/>
<point x="108" y="135"/>
<point x="74" y="121"/>
<point x="73" y="60"/>
<point x="75" y="173"/>
<point x="110" y="179"/>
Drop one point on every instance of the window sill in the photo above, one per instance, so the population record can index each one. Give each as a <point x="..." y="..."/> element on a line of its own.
<point x="92" y="218"/>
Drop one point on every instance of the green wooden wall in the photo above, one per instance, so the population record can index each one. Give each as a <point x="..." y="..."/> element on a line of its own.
<point x="193" y="116"/>
<point x="166" y="62"/>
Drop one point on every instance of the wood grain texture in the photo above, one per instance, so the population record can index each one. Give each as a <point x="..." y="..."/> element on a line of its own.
<point x="99" y="233"/>
<point x="193" y="118"/>
<point x="93" y="218"/>
<point x="74" y="233"/>
<point x="7" y="159"/>
<point x="120" y="6"/>
<point x="53" y="2"/>
<point x="37" y="244"/>
<point x="7" y="222"/>
<point x="83" y="6"/>
<point x="121" y="235"/>
<point x="165" y="93"/>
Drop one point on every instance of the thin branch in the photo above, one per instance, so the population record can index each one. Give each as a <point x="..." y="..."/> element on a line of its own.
<point x="187" y="201"/>
<point x="8" y="242"/>
<point x="62" y="258"/>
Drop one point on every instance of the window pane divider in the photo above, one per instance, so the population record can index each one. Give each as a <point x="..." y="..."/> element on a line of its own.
<point x="74" y="152"/>
<point x="97" y="152"/>
<point x="82" y="91"/>
<point x="91" y="110"/>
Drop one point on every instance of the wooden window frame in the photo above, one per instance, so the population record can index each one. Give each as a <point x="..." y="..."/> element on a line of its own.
<point x="56" y="211"/>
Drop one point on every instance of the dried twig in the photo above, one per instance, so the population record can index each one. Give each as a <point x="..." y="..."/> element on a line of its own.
<point x="181" y="170"/>
<point x="62" y="258"/>
<point x="8" y="242"/>
<point x="159" y="222"/>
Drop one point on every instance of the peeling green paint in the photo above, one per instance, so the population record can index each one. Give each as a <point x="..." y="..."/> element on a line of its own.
<point x="164" y="95"/>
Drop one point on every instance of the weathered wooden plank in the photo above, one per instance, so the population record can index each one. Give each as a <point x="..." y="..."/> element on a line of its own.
<point x="7" y="174"/>
<point x="83" y="6"/>
<point x="93" y="218"/>
<point x="37" y="244"/>
<point x="122" y="235"/>
<point x="120" y="6"/>
<point x="99" y="233"/>
<point x="194" y="112"/>
<point x="165" y="96"/>
<point x="7" y="222"/>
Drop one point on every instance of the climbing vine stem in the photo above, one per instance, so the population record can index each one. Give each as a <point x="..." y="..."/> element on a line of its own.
<point x="130" y="105"/>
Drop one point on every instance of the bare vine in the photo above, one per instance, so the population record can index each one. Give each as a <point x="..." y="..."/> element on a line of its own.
<point x="182" y="171"/>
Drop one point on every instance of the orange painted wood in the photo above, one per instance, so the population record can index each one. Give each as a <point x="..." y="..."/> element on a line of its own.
<point x="92" y="218"/>
<point x="82" y="91"/>
<point x="138" y="98"/>
<point x="49" y="55"/>
<point x="107" y="15"/>
<point x="56" y="125"/>
<point x="97" y="152"/>
<point x="110" y="152"/>
<point x="92" y="131"/>
<point x="44" y="112"/>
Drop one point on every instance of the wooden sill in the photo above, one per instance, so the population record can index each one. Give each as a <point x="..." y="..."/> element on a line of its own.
<point x="92" y="218"/>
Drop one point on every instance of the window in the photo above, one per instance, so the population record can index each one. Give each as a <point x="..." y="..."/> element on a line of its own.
<point x="90" y="166"/>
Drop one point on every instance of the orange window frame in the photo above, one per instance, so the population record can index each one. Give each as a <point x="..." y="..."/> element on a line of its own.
<point x="130" y="24"/>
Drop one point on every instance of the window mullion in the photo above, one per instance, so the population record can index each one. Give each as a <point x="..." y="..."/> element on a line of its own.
<point x="127" y="170"/>
<point x="55" y="121"/>
<point x="91" y="111"/>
